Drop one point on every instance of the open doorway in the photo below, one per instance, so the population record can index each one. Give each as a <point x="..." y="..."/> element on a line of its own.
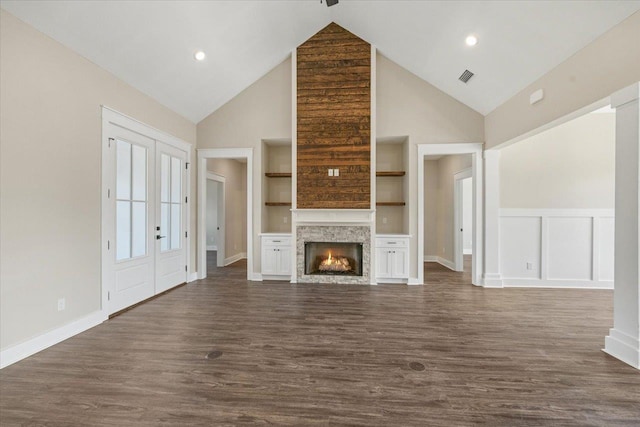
<point x="236" y="166"/>
<point x="215" y="220"/>
<point x="437" y="166"/>
<point x="463" y="219"/>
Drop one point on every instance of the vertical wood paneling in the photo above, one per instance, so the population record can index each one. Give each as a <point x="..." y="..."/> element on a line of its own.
<point x="334" y="120"/>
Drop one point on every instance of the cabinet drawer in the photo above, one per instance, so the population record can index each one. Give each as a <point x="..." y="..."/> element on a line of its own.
<point x="390" y="242"/>
<point x="276" y="241"/>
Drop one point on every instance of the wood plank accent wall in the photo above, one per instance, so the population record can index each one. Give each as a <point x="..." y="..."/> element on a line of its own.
<point x="334" y="121"/>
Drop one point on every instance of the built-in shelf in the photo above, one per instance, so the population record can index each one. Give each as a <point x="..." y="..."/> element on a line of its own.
<point x="390" y="203"/>
<point x="278" y="174"/>
<point x="277" y="203"/>
<point x="390" y="173"/>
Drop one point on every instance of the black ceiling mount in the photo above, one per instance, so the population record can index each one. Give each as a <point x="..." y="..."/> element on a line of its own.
<point x="330" y="2"/>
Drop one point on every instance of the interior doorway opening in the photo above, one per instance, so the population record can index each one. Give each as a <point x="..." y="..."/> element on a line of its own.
<point x="240" y="236"/>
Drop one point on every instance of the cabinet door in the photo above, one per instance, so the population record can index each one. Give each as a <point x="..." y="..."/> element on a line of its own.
<point x="269" y="260"/>
<point x="284" y="261"/>
<point x="400" y="261"/>
<point x="383" y="262"/>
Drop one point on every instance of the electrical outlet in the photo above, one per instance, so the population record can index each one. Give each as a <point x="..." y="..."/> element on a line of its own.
<point x="285" y="219"/>
<point x="529" y="266"/>
<point x="330" y="172"/>
<point x="61" y="304"/>
<point x="443" y="250"/>
<point x="336" y="172"/>
<point x="384" y="219"/>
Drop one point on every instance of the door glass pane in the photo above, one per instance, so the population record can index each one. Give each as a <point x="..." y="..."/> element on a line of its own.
<point x="139" y="172"/>
<point x="123" y="170"/>
<point x="164" y="226"/>
<point x="139" y="229"/>
<point x="176" y="172"/>
<point x="164" y="178"/>
<point x="123" y="230"/>
<point x="175" y="226"/>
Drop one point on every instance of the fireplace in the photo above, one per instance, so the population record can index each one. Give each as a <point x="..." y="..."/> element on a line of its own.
<point x="345" y="242"/>
<point x="333" y="258"/>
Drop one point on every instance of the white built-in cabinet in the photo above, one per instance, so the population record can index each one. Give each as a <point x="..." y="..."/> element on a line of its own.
<point x="392" y="257"/>
<point x="276" y="256"/>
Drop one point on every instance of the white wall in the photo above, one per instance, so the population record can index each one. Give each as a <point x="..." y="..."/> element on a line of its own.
<point x="407" y="105"/>
<point x="212" y="213"/>
<point x="557" y="198"/>
<point x="608" y="64"/>
<point x="50" y="182"/>
<point x="570" y="166"/>
<point x="262" y="111"/>
<point x="557" y="247"/>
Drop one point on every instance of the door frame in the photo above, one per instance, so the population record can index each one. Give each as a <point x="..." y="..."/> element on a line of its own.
<point x="458" y="243"/>
<point x="475" y="149"/>
<point x="221" y="246"/>
<point x="222" y="153"/>
<point x="107" y="227"/>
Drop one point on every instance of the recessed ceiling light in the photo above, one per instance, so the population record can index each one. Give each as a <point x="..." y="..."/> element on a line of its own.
<point x="199" y="55"/>
<point x="471" y="40"/>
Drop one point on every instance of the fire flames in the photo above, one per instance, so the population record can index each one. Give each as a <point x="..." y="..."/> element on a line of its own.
<point x="335" y="264"/>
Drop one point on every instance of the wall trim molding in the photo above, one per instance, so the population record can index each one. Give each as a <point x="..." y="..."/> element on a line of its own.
<point x="493" y="280"/>
<point x="193" y="277"/>
<point x="235" y="258"/>
<point x="35" y="345"/>
<point x="623" y="346"/>
<point x="556" y="283"/>
<point x="559" y="213"/>
<point x="442" y="261"/>
<point x="212" y="247"/>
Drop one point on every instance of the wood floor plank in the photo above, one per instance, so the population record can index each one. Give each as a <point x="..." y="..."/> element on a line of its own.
<point x="443" y="354"/>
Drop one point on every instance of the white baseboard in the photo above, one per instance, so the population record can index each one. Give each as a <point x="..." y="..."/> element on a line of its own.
<point x="392" y="280"/>
<point x="192" y="277"/>
<point x="28" y="348"/>
<point x="414" y="281"/>
<point x="212" y="247"/>
<point x="492" y="280"/>
<point x="444" y="262"/>
<point x="467" y="252"/>
<point x="623" y="347"/>
<point x="561" y="284"/>
<point x="284" y="278"/>
<point x="234" y="258"/>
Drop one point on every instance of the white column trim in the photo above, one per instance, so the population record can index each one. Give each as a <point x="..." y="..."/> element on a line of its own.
<point x="492" y="277"/>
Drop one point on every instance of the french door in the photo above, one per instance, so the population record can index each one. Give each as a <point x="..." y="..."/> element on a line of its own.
<point x="146" y="216"/>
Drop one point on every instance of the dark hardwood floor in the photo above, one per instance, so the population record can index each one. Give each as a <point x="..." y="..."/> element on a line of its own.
<point x="443" y="354"/>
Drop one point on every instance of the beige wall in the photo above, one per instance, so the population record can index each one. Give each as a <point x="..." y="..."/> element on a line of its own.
<point x="262" y="111"/>
<point x="610" y="63"/>
<point x="439" y="223"/>
<point x="407" y="105"/>
<point x="50" y="161"/>
<point x="569" y="166"/>
<point x="235" y="203"/>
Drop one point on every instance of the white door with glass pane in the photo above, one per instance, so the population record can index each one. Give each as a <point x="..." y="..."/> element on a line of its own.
<point x="146" y="214"/>
<point x="132" y="208"/>
<point x="171" y="211"/>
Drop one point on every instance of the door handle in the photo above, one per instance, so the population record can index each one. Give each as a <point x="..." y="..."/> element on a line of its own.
<point x="158" y="237"/>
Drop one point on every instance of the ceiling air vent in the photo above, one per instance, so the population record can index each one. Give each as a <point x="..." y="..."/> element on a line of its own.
<point x="466" y="76"/>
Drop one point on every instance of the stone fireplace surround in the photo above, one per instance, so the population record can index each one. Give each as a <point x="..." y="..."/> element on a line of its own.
<point x="346" y="233"/>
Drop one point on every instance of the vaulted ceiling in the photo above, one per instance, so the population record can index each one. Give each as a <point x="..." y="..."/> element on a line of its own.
<point x="150" y="44"/>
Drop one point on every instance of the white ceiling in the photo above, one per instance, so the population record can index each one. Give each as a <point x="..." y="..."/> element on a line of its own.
<point x="150" y="44"/>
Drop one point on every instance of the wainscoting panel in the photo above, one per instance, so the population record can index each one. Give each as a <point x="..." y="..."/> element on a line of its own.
<point x="520" y="244"/>
<point x="569" y="254"/>
<point x="570" y="248"/>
